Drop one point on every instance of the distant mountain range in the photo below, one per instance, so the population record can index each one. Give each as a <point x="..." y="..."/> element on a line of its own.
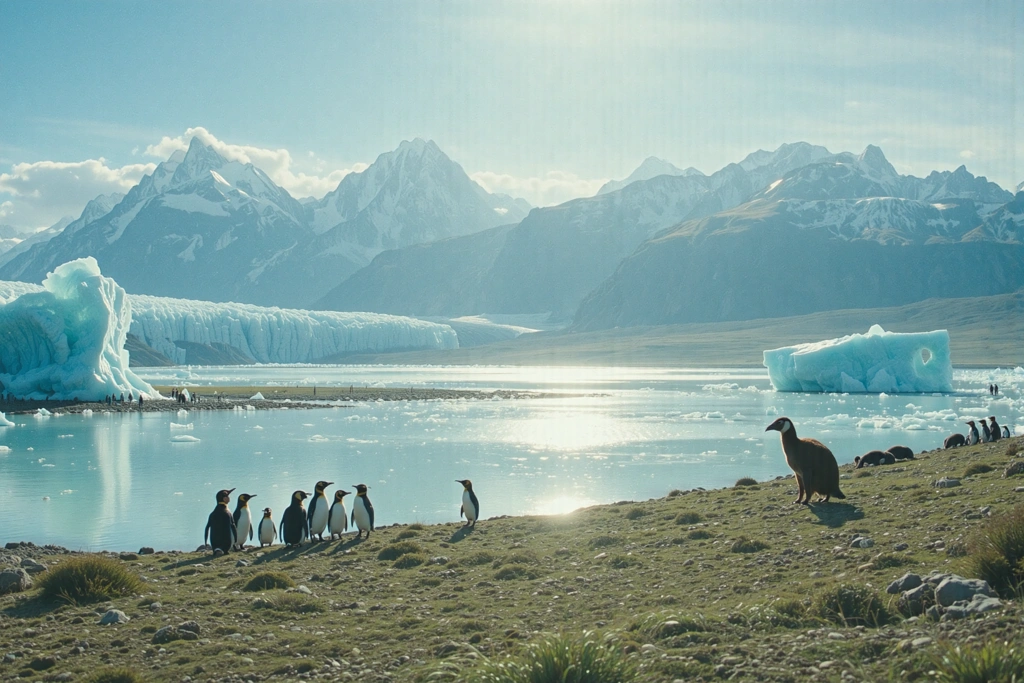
<point x="203" y="227"/>
<point x="779" y="233"/>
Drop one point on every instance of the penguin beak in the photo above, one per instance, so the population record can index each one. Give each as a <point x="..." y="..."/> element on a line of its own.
<point x="330" y="483"/>
<point x="230" y="490"/>
<point x="252" y="496"/>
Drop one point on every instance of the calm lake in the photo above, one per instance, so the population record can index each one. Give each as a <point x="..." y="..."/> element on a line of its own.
<point x="121" y="482"/>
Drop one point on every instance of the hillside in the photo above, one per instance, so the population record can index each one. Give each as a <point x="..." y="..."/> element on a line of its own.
<point x="984" y="331"/>
<point x="699" y="585"/>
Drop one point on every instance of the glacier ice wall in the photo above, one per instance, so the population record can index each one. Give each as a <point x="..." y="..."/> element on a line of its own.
<point x="875" y="362"/>
<point x="65" y="340"/>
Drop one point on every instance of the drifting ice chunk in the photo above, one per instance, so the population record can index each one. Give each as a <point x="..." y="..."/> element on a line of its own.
<point x="4" y="422"/>
<point x="67" y="340"/>
<point x="876" y="362"/>
<point x="258" y="396"/>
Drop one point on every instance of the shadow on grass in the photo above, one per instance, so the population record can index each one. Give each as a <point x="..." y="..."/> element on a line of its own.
<point x="835" y="514"/>
<point x="461" y="533"/>
<point x="29" y="607"/>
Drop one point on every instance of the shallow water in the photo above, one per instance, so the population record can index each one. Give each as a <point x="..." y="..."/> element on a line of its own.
<point x="119" y="482"/>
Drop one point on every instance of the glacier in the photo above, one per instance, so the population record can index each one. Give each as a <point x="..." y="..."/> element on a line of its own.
<point x="65" y="340"/>
<point x="876" y="362"/>
<point x="267" y="335"/>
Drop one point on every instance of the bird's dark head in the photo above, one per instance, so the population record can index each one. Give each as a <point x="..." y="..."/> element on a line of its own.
<point x="244" y="498"/>
<point x="339" y="494"/>
<point x="267" y="512"/>
<point x="782" y="425"/>
<point x="321" y="485"/>
<point x="299" y="496"/>
<point x="224" y="496"/>
<point x="991" y="418"/>
<point x="361" y="489"/>
<point x="970" y="422"/>
<point x="466" y="484"/>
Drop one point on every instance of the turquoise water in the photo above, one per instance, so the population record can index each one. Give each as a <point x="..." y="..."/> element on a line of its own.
<point x="119" y="482"/>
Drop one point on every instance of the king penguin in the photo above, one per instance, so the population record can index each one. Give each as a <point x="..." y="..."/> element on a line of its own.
<point x="267" y="530"/>
<point x="294" y="529"/>
<point x="986" y="434"/>
<point x="220" y="527"/>
<point x="972" y="436"/>
<point x="337" y="518"/>
<point x="362" y="511"/>
<point x="318" y="511"/>
<point x="1006" y="432"/>
<point x="994" y="429"/>
<point x="243" y="520"/>
<point x="470" y="505"/>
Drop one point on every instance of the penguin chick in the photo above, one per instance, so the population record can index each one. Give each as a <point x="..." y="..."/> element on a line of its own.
<point x="811" y="461"/>
<point x="470" y="505"/>
<point x="267" y="530"/>
<point x="362" y="511"/>
<point x="220" y="526"/>
<point x="318" y="511"/>
<point x="243" y="520"/>
<point x="954" y="440"/>
<point x="294" y="529"/>
<point x="337" y="518"/>
<point x="873" y="458"/>
<point x="901" y="453"/>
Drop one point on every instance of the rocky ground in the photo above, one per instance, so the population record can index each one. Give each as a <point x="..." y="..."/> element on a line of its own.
<point x="229" y="398"/>
<point x="696" y="586"/>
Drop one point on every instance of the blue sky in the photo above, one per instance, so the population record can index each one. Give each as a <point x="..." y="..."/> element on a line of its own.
<point x="544" y="100"/>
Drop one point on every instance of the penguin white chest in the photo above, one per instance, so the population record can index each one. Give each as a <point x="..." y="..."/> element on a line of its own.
<point x="361" y="515"/>
<point x="243" y="525"/>
<point x="318" y="522"/>
<point x="268" y="531"/>
<point x="339" y="519"/>
<point x="468" y="507"/>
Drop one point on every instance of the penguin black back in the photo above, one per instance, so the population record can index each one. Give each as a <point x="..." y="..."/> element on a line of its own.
<point x="294" y="528"/>
<point x="220" y="526"/>
<point x="362" y="511"/>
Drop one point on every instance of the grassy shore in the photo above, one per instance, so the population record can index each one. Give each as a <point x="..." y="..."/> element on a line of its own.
<point x="670" y="581"/>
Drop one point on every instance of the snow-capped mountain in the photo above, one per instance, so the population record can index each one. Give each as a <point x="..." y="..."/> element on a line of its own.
<point x="205" y="227"/>
<point x="10" y="237"/>
<point x="651" y="167"/>
<point x="96" y="208"/>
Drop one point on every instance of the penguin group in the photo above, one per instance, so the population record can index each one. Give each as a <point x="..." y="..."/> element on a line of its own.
<point x="227" y="531"/>
<point x="990" y="432"/>
<point x="887" y="457"/>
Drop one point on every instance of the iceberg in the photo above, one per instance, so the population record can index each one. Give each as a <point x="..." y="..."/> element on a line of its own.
<point x="65" y="340"/>
<point x="876" y="362"/>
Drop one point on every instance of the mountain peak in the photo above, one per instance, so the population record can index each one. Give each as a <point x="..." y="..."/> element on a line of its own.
<point x="199" y="159"/>
<point x="651" y="167"/>
<point x="873" y="158"/>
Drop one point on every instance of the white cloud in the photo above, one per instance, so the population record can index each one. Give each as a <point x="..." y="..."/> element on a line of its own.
<point x="554" y="188"/>
<point x="966" y="154"/>
<point x="43" y="192"/>
<point x="276" y="163"/>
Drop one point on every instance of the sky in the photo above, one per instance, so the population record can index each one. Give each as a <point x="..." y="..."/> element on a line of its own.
<point x="545" y="100"/>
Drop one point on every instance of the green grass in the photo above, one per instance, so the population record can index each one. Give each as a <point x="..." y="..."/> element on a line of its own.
<point x="396" y="550"/>
<point x="977" y="468"/>
<point x="747" y="545"/>
<point x="993" y="662"/>
<point x="688" y="518"/>
<point x="850" y="605"/>
<point x="118" y="675"/>
<point x="88" y="578"/>
<point x="746" y="481"/>
<point x="996" y="552"/>
<point x="289" y="602"/>
<point x="265" y="581"/>
<point x="560" y="659"/>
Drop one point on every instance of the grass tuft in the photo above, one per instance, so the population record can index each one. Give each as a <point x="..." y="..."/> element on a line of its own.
<point x="747" y="545"/>
<point x="396" y="550"/>
<point x="515" y="571"/>
<point x="746" y="481"/>
<point x="561" y="659"/>
<point x="265" y="581"/>
<point x="996" y="552"/>
<point x="850" y="605"/>
<point x="689" y="518"/>
<point x="119" y="675"/>
<point x="1013" y="448"/>
<point x="636" y="513"/>
<point x="89" y="578"/>
<point x="993" y="662"/>
<point x="603" y="541"/>
<point x="407" y="533"/>
<point x="410" y="560"/>
<point x="977" y="468"/>
<point x="478" y="558"/>
<point x="296" y="603"/>
<point x="698" y="534"/>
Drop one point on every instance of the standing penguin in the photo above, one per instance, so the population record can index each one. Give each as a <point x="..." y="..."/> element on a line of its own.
<point x="243" y="520"/>
<point x="220" y="527"/>
<point x="993" y="428"/>
<point x="811" y="461"/>
<point x="470" y="505"/>
<point x="337" y="518"/>
<point x="986" y="434"/>
<point x="267" y="530"/>
<point x="1006" y="432"/>
<point x="318" y="511"/>
<point x="362" y="511"/>
<point x="294" y="529"/>
<point x="972" y="436"/>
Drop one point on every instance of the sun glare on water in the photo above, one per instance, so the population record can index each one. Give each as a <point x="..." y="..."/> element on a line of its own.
<point x="561" y="505"/>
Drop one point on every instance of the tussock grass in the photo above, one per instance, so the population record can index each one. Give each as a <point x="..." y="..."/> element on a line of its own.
<point x="265" y="581"/>
<point x="636" y="513"/>
<point x="407" y="533"/>
<point x="850" y="605"/>
<point x="996" y="552"/>
<point x="603" y="541"/>
<point x="689" y="518"/>
<point x="977" y="468"/>
<point x="746" y="481"/>
<point x="89" y="578"/>
<point x="410" y="560"/>
<point x="396" y="550"/>
<point x="890" y="560"/>
<point x="698" y="534"/>
<point x="296" y="603"/>
<point x="118" y="675"/>
<point x="561" y="659"/>
<point x="747" y="545"/>
<point x="993" y="662"/>
<point x="1013" y="448"/>
<point x="662" y="625"/>
<point x="478" y="558"/>
<point x="515" y="571"/>
<point x="518" y="556"/>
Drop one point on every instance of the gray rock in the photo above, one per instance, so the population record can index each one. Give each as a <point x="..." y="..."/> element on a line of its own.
<point x="440" y="559"/>
<point x="169" y="634"/>
<point x="304" y="590"/>
<point x="904" y="583"/>
<point x="1014" y="468"/>
<point x="953" y="589"/>
<point x="218" y="552"/>
<point x="192" y="626"/>
<point x="155" y="606"/>
<point x="900" y="546"/>
<point x="114" y="616"/>
<point x="946" y="483"/>
<point x="14" y="580"/>
<point x="980" y="604"/>
<point x="241" y="563"/>
<point x="934" y="612"/>
<point x="861" y="542"/>
<point x="128" y="557"/>
<point x="32" y="567"/>
<point x="915" y="600"/>
<point x="146" y="550"/>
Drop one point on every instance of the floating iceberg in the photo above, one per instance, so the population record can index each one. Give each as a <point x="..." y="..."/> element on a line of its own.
<point x="876" y="362"/>
<point x="66" y="339"/>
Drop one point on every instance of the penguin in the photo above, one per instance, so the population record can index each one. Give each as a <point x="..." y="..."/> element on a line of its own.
<point x="337" y="518"/>
<point x="294" y="529"/>
<point x="954" y="440"/>
<point x="220" y="527"/>
<point x="470" y="505"/>
<point x="1006" y="432"/>
<point x="362" y="511"/>
<point x="319" y="508"/>
<point x="243" y="520"/>
<point x="901" y="453"/>
<point x="811" y="461"/>
<point x="874" y="458"/>
<point x="267" y="530"/>
<point x="986" y="434"/>
<point x="972" y="436"/>
<point x="993" y="428"/>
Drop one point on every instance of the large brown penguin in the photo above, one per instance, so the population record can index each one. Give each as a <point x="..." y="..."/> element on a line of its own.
<point x="811" y="461"/>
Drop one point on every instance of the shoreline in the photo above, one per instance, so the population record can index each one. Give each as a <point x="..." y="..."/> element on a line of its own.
<point x="229" y="398"/>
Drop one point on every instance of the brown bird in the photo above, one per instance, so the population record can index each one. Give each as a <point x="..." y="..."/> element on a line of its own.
<point x="954" y="440"/>
<point x="811" y="461"/>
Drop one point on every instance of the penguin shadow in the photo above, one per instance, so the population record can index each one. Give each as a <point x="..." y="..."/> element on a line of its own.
<point x="351" y="543"/>
<point x="203" y="558"/>
<point x="461" y="533"/>
<point x="278" y="553"/>
<point x="835" y="515"/>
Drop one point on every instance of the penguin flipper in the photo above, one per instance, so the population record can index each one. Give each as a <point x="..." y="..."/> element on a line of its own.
<point x="462" y="511"/>
<point x="330" y="513"/>
<point x="369" y="508"/>
<point x="250" y="532"/>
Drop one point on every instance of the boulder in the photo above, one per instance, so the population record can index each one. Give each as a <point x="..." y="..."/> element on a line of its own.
<point x="32" y="567"/>
<point x="946" y="483"/>
<point x="14" y="580"/>
<point x="114" y="616"/>
<point x="914" y="601"/>
<point x="904" y="583"/>
<point x="954" y="589"/>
